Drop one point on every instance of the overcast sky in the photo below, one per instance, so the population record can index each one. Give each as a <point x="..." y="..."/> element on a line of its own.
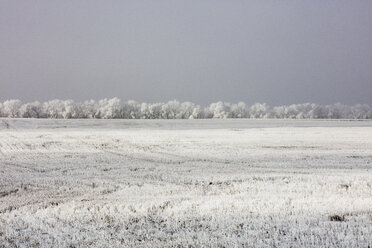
<point x="279" y="52"/>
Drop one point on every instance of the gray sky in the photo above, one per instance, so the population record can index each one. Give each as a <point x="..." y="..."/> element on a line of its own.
<point x="279" y="52"/>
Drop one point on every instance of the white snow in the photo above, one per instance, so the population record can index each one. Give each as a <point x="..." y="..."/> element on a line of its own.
<point x="141" y="183"/>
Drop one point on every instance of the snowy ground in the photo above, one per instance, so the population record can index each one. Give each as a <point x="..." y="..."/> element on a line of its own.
<point x="142" y="183"/>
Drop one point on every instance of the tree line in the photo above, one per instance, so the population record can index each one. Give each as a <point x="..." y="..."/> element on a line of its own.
<point x="115" y="109"/>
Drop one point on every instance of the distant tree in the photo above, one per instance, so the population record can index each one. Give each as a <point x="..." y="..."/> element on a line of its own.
<point x="239" y="110"/>
<point x="318" y="112"/>
<point x="155" y="110"/>
<point x="170" y="109"/>
<point x="31" y="110"/>
<point x="259" y="110"/>
<point x="2" y="114"/>
<point x="11" y="108"/>
<point x="197" y="112"/>
<point x="187" y="110"/>
<point x="220" y="110"/>
<point x="361" y="111"/>
<point x="112" y="108"/>
<point x="53" y="109"/>
<point x="109" y="108"/>
<point x="131" y="110"/>
<point x="89" y="109"/>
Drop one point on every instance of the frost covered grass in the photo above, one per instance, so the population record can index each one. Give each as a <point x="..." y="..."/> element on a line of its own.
<point x="232" y="183"/>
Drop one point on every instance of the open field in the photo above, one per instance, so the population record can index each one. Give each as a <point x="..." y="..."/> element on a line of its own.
<point x="141" y="183"/>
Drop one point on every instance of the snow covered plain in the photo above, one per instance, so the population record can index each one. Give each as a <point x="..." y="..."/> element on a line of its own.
<point x="170" y="183"/>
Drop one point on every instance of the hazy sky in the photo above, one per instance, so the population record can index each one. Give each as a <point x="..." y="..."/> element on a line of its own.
<point x="279" y="52"/>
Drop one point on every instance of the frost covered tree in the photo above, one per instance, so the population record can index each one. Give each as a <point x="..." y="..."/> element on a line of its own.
<point x="155" y="110"/>
<point x="11" y="108"/>
<point x="89" y="109"/>
<point x="197" y="113"/>
<point x="169" y="110"/>
<point x="53" y="108"/>
<point x="259" y="110"/>
<point x="109" y="108"/>
<point x="319" y="112"/>
<point x="187" y="110"/>
<point x="73" y="110"/>
<point x="131" y="110"/>
<point x="144" y="111"/>
<point x="219" y="110"/>
<point x="31" y="110"/>
<point x="361" y="111"/>
<point x="112" y="108"/>
<point x="239" y="110"/>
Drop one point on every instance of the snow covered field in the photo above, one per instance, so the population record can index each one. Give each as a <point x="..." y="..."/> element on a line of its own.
<point x="142" y="183"/>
